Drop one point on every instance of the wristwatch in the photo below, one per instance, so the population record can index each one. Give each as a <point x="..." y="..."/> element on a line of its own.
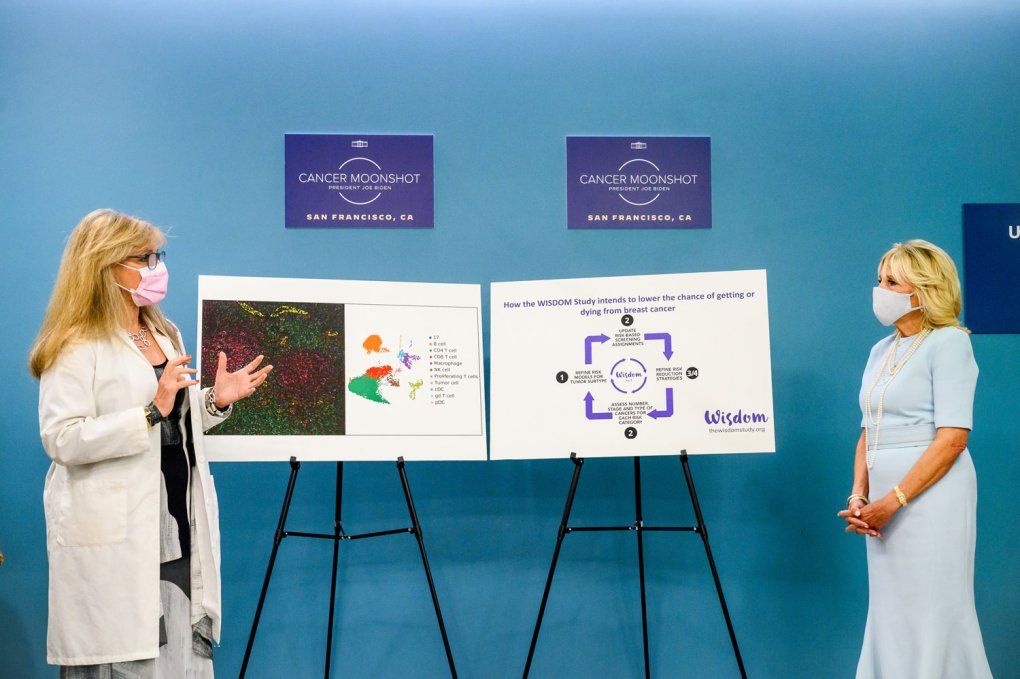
<point x="152" y="415"/>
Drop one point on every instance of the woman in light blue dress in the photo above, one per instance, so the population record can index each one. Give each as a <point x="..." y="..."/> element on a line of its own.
<point x="914" y="494"/>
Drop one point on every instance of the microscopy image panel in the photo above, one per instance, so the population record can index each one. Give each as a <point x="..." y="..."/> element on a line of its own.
<point x="304" y="341"/>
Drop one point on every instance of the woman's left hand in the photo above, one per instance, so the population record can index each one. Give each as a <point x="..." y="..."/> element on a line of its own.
<point x="877" y="514"/>
<point x="233" y="386"/>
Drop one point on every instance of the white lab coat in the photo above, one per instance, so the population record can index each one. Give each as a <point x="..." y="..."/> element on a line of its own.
<point x="102" y="503"/>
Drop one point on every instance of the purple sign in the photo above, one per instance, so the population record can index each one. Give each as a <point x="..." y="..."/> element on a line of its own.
<point x="368" y="180"/>
<point x="639" y="182"/>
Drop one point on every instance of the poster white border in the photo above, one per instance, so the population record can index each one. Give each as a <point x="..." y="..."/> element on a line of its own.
<point x="378" y="448"/>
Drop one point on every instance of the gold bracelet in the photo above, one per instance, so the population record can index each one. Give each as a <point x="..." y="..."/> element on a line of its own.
<point x="900" y="496"/>
<point x="856" y="496"/>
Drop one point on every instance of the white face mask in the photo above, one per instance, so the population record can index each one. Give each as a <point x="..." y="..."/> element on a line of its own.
<point x="890" y="306"/>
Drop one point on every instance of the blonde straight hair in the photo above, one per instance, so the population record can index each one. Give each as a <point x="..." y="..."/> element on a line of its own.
<point x="86" y="302"/>
<point x="933" y="275"/>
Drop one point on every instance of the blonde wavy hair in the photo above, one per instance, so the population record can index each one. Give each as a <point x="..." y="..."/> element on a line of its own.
<point x="933" y="275"/>
<point x="86" y="302"/>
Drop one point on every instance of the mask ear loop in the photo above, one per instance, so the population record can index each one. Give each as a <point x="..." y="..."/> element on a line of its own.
<point x="919" y="307"/>
<point x="140" y="276"/>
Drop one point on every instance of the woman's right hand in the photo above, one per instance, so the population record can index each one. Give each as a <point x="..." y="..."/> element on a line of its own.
<point x="171" y="382"/>
<point x="854" y="523"/>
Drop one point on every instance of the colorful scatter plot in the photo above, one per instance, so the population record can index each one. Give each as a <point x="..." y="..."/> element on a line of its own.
<point x="303" y="341"/>
<point x="369" y="384"/>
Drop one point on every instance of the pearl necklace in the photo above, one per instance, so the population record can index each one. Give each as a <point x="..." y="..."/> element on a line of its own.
<point x="894" y="370"/>
<point x="140" y="338"/>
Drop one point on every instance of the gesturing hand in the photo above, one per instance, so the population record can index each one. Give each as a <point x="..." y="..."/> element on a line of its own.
<point x="854" y="522"/>
<point x="233" y="386"/>
<point x="171" y="382"/>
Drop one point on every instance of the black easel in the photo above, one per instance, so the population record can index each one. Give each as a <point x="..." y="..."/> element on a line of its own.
<point x="336" y="536"/>
<point x="638" y="527"/>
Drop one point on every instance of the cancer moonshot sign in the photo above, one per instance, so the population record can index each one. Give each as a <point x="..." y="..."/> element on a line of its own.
<point x="367" y="180"/>
<point x="639" y="182"/>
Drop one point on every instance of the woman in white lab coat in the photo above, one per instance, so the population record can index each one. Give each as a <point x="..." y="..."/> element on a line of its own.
<point x="131" y="514"/>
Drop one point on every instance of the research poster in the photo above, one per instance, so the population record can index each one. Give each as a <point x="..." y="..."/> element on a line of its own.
<point x="639" y="183"/>
<point x="362" y="370"/>
<point x="357" y="181"/>
<point x="991" y="253"/>
<point x="632" y="365"/>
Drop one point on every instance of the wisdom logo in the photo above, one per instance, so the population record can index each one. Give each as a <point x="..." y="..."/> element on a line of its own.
<point x="724" y="421"/>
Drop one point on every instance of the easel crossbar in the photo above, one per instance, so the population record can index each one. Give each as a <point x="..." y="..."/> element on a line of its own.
<point x="348" y="536"/>
<point x="632" y="527"/>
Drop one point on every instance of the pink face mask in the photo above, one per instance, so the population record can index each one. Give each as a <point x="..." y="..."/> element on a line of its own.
<point x="152" y="287"/>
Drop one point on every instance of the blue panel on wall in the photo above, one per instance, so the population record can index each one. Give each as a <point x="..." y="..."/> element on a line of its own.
<point x="991" y="245"/>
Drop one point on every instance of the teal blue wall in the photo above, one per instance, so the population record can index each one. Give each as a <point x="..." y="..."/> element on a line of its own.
<point x="835" y="131"/>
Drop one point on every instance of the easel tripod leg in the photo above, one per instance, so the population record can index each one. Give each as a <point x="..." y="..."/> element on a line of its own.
<point x="556" y="555"/>
<point x="639" y="524"/>
<point x="416" y="528"/>
<point x="336" y="558"/>
<point x="277" y="539"/>
<point x="711" y="561"/>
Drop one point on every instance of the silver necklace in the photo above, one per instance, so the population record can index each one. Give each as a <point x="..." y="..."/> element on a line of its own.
<point x="140" y="338"/>
<point x="894" y="370"/>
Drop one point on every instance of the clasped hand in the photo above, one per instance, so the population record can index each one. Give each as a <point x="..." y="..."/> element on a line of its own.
<point x="870" y="518"/>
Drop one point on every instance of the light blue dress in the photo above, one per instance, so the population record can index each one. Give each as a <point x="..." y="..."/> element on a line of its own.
<point x="921" y="616"/>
